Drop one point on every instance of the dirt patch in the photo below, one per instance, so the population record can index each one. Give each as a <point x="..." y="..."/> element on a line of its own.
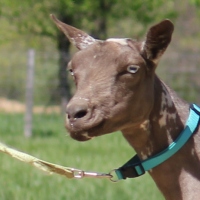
<point x="12" y="106"/>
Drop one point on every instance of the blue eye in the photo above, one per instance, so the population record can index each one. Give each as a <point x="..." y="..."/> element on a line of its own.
<point x="133" y="68"/>
<point x="71" y="72"/>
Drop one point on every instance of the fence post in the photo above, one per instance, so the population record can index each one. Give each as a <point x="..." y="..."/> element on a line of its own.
<point x="29" y="94"/>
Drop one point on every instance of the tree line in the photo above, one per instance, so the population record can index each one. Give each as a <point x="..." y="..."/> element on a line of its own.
<point x="31" y="17"/>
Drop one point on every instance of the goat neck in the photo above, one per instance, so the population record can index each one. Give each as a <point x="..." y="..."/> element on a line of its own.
<point x="165" y="122"/>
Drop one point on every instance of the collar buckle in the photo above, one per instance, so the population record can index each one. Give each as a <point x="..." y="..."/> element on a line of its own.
<point x="132" y="169"/>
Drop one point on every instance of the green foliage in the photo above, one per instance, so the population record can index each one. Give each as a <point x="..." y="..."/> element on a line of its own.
<point x="27" y="24"/>
<point x="21" y="181"/>
<point x="32" y="17"/>
<point x="144" y="11"/>
<point x="195" y="2"/>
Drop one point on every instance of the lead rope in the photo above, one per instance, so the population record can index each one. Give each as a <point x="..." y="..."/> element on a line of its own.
<point x="133" y="168"/>
<point x="52" y="168"/>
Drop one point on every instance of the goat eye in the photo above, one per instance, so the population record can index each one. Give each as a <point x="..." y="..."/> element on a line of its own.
<point x="133" y="68"/>
<point x="71" y="72"/>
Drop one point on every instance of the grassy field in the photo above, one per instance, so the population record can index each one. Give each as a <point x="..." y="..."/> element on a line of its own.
<point x="19" y="181"/>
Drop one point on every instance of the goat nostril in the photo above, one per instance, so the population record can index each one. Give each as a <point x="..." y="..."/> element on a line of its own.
<point x="77" y="110"/>
<point x="80" y="114"/>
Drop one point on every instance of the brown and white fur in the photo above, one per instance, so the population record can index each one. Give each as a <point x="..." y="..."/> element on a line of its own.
<point x="117" y="89"/>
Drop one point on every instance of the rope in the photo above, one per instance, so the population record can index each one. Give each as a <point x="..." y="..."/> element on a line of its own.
<point x="40" y="164"/>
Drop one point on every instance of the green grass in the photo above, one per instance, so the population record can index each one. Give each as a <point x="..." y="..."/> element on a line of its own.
<point x="19" y="181"/>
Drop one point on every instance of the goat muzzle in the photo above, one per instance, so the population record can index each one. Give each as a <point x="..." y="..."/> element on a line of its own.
<point x="77" y="110"/>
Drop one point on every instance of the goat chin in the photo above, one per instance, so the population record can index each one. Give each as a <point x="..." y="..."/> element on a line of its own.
<point x="81" y="137"/>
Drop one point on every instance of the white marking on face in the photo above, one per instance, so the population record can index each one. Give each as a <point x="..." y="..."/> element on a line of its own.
<point x="145" y="125"/>
<point x="86" y="136"/>
<point x="142" y="47"/>
<point x="81" y="98"/>
<point x="122" y="41"/>
<point x="85" y="41"/>
<point x="90" y="87"/>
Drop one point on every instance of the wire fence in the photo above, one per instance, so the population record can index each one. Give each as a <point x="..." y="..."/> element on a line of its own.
<point x="29" y="81"/>
<point x="13" y="77"/>
<point x="181" y="71"/>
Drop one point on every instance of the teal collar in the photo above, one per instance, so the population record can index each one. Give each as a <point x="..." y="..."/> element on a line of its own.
<point x="136" y="167"/>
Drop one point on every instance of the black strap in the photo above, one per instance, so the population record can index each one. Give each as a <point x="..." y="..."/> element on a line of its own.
<point x="128" y="170"/>
<point x="192" y="106"/>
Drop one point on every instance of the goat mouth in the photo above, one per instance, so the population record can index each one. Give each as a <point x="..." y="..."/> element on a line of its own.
<point x="86" y="134"/>
<point x="84" y="129"/>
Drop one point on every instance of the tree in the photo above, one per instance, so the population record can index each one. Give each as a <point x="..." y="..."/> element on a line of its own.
<point x="32" y="17"/>
<point x="195" y="2"/>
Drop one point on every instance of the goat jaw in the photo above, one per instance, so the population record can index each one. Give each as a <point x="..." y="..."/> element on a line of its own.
<point x="80" y="136"/>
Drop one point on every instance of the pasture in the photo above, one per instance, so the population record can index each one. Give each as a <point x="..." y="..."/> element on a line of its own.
<point x="50" y="142"/>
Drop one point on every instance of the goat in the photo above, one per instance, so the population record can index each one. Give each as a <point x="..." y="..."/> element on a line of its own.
<point x="117" y="89"/>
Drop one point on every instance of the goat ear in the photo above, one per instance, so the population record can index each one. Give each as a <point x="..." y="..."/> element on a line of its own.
<point x="157" y="40"/>
<point x="77" y="37"/>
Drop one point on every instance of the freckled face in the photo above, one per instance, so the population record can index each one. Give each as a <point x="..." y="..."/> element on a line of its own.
<point x="109" y="75"/>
